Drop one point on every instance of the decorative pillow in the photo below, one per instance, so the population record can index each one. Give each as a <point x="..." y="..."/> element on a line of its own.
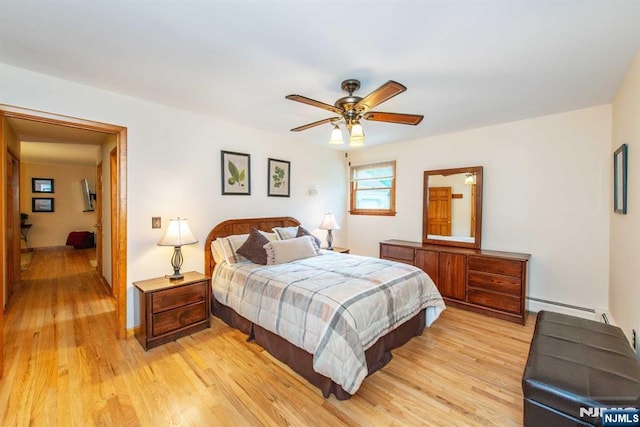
<point x="270" y="236"/>
<point x="282" y="251"/>
<point x="252" y="248"/>
<point x="304" y="232"/>
<point x="286" y="233"/>
<point x="217" y="251"/>
<point x="230" y="245"/>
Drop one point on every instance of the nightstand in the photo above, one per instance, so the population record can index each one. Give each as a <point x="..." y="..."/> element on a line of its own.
<point x="340" y="250"/>
<point x="170" y="309"/>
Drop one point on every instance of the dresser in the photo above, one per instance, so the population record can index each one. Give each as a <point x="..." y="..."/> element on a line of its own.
<point x="170" y="309"/>
<point x="489" y="282"/>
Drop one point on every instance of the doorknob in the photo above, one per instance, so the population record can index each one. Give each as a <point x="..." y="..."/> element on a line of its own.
<point x="97" y="225"/>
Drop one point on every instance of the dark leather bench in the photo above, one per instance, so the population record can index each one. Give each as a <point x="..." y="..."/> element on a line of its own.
<point x="577" y="363"/>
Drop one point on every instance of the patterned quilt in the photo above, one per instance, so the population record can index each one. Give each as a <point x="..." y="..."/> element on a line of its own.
<point x="334" y="306"/>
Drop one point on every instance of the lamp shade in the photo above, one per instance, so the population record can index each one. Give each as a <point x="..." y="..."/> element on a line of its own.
<point x="356" y="139"/>
<point x="336" y="136"/>
<point x="329" y="222"/>
<point x="178" y="234"/>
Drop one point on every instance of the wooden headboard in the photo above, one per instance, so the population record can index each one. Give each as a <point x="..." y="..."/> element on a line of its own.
<point x="241" y="226"/>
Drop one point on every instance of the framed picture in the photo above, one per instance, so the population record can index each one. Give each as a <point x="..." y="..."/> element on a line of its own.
<point x="41" y="204"/>
<point x="620" y="180"/>
<point x="279" y="178"/>
<point x="236" y="173"/>
<point x="42" y="185"/>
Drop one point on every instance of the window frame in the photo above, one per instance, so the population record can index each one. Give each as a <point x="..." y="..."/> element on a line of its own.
<point x="353" y="209"/>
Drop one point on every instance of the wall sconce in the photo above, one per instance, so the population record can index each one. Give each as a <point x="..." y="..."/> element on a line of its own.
<point x="470" y="178"/>
<point x="178" y="234"/>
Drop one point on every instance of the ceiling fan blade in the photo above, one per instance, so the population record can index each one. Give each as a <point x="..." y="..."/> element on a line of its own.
<point x="405" y="119"/>
<point x="310" y="125"/>
<point x="314" y="103"/>
<point x="378" y="96"/>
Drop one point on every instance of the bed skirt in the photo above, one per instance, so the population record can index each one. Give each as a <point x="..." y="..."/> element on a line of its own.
<point x="378" y="355"/>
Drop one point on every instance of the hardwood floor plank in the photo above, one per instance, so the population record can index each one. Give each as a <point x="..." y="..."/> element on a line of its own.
<point x="64" y="366"/>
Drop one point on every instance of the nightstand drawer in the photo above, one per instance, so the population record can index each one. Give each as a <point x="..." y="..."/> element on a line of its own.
<point x="178" y="297"/>
<point x="177" y="318"/>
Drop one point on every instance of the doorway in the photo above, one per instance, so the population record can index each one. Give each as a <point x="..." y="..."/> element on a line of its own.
<point x="119" y="246"/>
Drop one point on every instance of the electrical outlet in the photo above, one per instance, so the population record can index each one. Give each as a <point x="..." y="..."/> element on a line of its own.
<point x="156" y="222"/>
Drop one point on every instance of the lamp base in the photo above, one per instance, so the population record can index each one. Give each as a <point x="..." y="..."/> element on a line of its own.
<point x="329" y="240"/>
<point x="176" y="263"/>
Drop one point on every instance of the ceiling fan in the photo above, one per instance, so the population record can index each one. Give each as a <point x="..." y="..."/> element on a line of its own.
<point x="352" y="108"/>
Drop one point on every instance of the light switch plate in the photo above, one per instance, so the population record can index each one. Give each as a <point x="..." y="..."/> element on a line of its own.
<point x="156" y="222"/>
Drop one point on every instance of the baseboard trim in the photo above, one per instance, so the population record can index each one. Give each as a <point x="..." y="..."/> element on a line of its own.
<point x="598" y="314"/>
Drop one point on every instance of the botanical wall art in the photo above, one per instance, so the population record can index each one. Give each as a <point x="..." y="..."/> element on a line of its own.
<point x="236" y="173"/>
<point x="279" y="178"/>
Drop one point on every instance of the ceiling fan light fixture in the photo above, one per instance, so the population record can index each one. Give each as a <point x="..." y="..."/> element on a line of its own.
<point x="336" y="136"/>
<point x="356" y="139"/>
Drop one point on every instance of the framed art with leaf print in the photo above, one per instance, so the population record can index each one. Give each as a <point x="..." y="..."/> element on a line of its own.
<point x="236" y="173"/>
<point x="279" y="178"/>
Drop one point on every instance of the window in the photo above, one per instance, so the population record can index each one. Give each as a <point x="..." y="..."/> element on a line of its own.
<point x="373" y="189"/>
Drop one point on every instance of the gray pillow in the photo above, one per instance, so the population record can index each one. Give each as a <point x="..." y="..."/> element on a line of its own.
<point x="252" y="248"/>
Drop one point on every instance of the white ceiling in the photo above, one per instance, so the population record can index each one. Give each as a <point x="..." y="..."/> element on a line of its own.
<point x="466" y="63"/>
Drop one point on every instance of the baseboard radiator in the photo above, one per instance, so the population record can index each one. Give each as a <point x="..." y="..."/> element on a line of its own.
<point x="583" y="310"/>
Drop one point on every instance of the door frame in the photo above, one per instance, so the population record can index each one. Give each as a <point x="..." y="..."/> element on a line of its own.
<point x="119" y="280"/>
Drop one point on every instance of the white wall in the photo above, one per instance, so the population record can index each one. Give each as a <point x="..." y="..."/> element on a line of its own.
<point x="625" y="229"/>
<point x="174" y="168"/>
<point x="546" y="193"/>
<point x="52" y="228"/>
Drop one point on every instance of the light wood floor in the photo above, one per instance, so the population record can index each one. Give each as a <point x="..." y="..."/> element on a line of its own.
<point x="63" y="366"/>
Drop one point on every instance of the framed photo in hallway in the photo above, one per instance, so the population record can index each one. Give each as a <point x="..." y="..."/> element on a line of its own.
<point x="42" y="185"/>
<point x="41" y="204"/>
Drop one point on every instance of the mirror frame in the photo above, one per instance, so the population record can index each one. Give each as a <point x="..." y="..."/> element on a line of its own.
<point x="425" y="211"/>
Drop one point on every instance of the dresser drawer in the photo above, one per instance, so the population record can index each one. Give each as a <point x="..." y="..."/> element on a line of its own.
<point x="495" y="266"/>
<point x="178" y="297"/>
<point x="397" y="253"/>
<point x="495" y="282"/>
<point x="494" y="300"/>
<point x="172" y="320"/>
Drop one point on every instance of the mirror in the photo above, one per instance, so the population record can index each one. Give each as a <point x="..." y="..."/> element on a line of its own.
<point x="452" y="207"/>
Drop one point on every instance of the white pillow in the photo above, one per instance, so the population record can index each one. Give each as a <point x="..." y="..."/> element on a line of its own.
<point x="286" y="233"/>
<point x="217" y="251"/>
<point x="281" y="251"/>
<point x="270" y="236"/>
<point x="230" y="245"/>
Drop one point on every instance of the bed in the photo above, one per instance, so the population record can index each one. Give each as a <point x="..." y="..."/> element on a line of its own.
<point x="333" y="318"/>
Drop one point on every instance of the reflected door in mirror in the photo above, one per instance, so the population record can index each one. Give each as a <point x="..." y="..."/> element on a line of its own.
<point x="440" y="211"/>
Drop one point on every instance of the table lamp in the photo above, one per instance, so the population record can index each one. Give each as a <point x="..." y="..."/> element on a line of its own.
<point x="178" y="234"/>
<point x="329" y="223"/>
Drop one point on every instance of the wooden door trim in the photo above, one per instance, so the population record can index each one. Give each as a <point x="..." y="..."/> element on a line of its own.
<point x="121" y="217"/>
